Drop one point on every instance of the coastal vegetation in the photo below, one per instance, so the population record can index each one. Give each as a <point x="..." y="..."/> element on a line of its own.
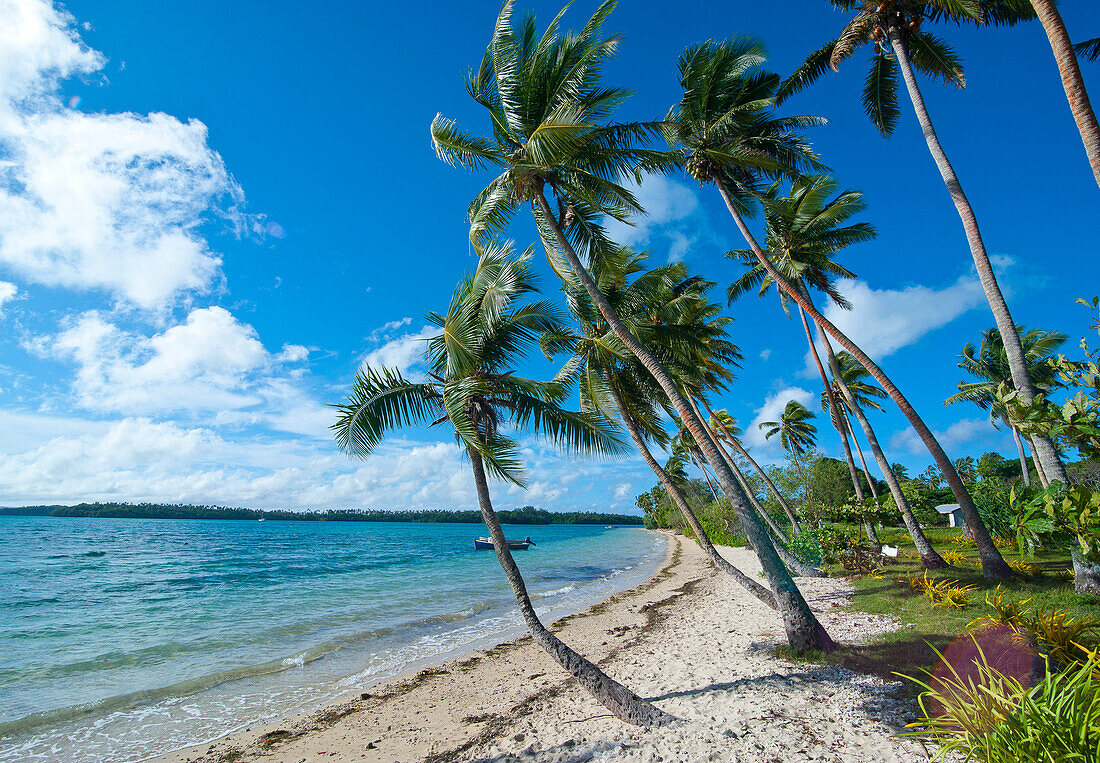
<point x="526" y="515"/>
<point x="646" y="351"/>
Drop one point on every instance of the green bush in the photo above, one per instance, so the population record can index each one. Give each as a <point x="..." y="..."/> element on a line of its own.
<point x="806" y="546"/>
<point x="991" y="500"/>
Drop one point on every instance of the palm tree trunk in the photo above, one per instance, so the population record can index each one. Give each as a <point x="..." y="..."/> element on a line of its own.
<point x="801" y="625"/>
<point x="1014" y="349"/>
<point x="862" y="459"/>
<point x="763" y="474"/>
<point x="1086" y="572"/>
<point x="779" y="537"/>
<point x="834" y="417"/>
<point x="625" y="704"/>
<point x="993" y="564"/>
<point x="1044" y="481"/>
<point x="777" y="531"/>
<point x="928" y="555"/>
<point x="706" y="476"/>
<point x="716" y="559"/>
<point x="1025" y="472"/>
<point x="1072" y="82"/>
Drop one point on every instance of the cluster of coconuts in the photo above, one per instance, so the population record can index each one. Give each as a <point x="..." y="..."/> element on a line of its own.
<point x="701" y="168"/>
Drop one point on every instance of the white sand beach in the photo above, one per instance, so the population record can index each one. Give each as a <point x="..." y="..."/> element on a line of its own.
<point x="689" y="638"/>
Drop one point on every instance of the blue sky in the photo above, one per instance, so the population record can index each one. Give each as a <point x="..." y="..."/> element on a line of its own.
<point x="212" y="213"/>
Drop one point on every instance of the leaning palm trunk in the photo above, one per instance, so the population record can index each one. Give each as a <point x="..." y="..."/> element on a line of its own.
<point x="834" y="417"/>
<point x="1044" y="481"/>
<point x="779" y="537"/>
<point x="1025" y="472"/>
<point x="862" y="458"/>
<point x="993" y="564"/>
<point x="1070" y="70"/>
<point x="763" y="474"/>
<point x="1014" y="350"/>
<point x="802" y="627"/>
<point x="624" y="703"/>
<point x="677" y="497"/>
<point x="928" y="555"/>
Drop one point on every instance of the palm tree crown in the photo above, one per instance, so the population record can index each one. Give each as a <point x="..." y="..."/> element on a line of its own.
<point x="804" y="230"/>
<point x="989" y="363"/>
<point x="796" y="434"/>
<point x="486" y="331"/>
<point x="724" y="130"/>
<point x="857" y="379"/>
<point x="547" y="109"/>
<point x="873" y="24"/>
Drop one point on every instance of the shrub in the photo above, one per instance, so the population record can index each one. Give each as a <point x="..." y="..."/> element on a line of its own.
<point x="954" y="558"/>
<point x="1062" y="638"/>
<point x="997" y="719"/>
<point x="992" y="501"/>
<point x="806" y="546"/>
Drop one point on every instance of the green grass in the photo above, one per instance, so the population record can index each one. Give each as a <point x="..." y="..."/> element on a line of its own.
<point x="910" y="650"/>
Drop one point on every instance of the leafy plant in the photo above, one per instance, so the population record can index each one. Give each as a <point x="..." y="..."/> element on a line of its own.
<point x="962" y="540"/>
<point x="954" y="558"/>
<point x="1062" y="638"/>
<point x="997" y="719"/>
<point x="1026" y="568"/>
<point x="806" y="546"/>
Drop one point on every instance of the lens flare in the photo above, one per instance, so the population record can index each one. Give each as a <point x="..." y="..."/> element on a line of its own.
<point x="74" y="101"/>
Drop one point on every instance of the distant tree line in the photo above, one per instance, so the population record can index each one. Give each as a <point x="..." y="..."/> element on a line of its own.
<point x="527" y="515"/>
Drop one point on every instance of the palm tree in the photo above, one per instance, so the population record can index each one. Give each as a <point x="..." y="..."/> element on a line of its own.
<point x="805" y="230"/>
<point x="989" y="364"/>
<point x="1088" y="49"/>
<point x="551" y="140"/>
<point x="471" y="386"/>
<point x="867" y="395"/>
<point x="724" y="132"/>
<point x="612" y="383"/>
<point x="796" y="434"/>
<point x="725" y="427"/>
<point x="1065" y="55"/>
<point x="898" y="24"/>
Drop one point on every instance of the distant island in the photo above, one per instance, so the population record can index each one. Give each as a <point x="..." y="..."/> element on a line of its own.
<point x="528" y="515"/>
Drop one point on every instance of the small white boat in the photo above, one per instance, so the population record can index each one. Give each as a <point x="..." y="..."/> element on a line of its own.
<point x="486" y="544"/>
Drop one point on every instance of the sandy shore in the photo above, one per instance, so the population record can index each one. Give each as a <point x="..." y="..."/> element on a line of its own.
<point x="690" y="639"/>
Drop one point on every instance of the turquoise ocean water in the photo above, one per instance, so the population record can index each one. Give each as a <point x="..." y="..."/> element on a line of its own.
<point x="121" y="639"/>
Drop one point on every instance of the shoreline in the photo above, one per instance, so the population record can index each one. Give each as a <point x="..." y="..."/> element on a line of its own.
<point x="692" y="641"/>
<point x="263" y="737"/>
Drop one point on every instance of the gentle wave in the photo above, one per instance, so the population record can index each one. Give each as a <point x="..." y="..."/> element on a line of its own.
<point x="228" y="624"/>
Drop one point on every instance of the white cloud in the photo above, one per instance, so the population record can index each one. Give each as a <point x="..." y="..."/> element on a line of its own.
<point x="673" y="218"/>
<point x="622" y="490"/>
<point x="404" y="352"/>
<point x="771" y="409"/>
<point x="958" y="435"/>
<point x="109" y="202"/>
<point x="211" y="367"/>
<point x="8" y="291"/>
<point x="882" y="321"/>
<point x="200" y="365"/>
<point x="765" y="354"/>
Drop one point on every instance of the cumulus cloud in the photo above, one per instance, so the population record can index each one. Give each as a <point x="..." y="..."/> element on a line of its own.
<point x="403" y="351"/>
<point x="959" y="434"/>
<point x="770" y="411"/>
<point x="622" y="491"/>
<point x="673" y="222"/>
<point x="882" y="321"/>
<point x="109" y="202"/>
<point x="8" y="291"/>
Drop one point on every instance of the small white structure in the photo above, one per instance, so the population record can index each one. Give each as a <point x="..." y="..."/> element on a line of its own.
<point x="889" y="552"/>
<point x="954" y="514"/>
